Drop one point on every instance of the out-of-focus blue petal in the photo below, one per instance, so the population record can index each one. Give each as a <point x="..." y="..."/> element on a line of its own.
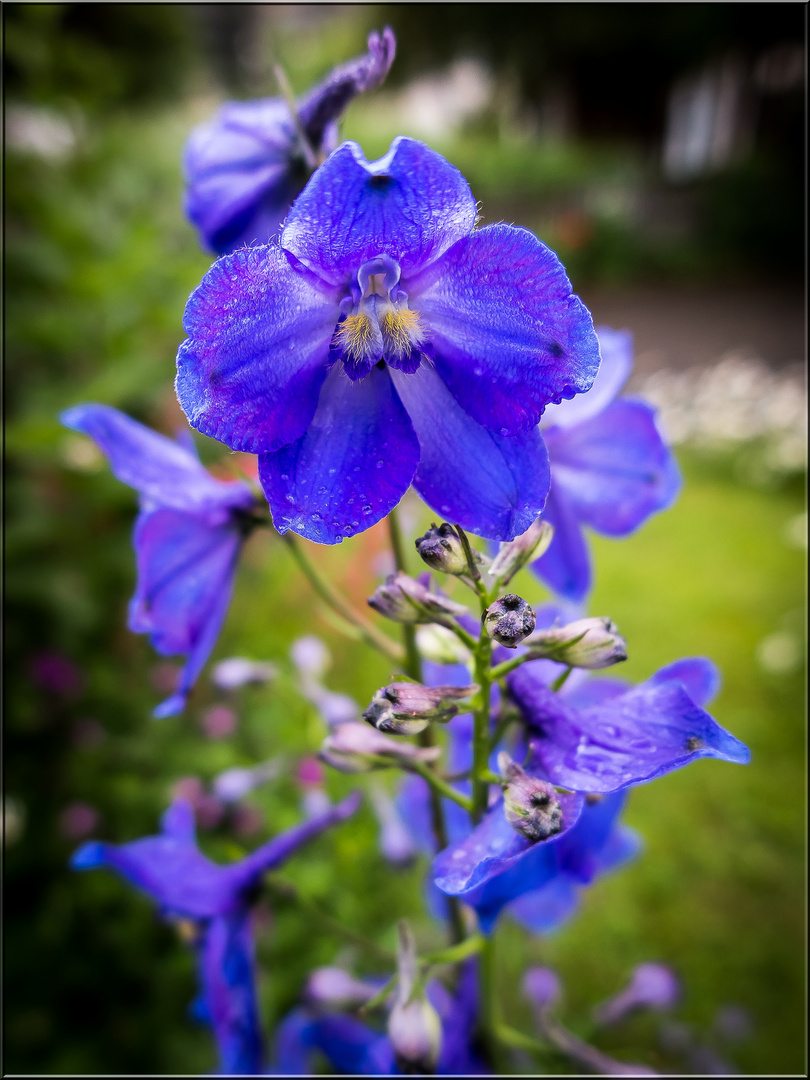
<point x="578" y="856"/>
<point x="491" y="485"/>
<point x="252" y="367"/>
<point x="322" y="106"/>
<point x="547" y="908"/>
<point x="178" y="822"/>
<point x="352" y="466"/>
<point x="162" y="470"/>
<point x="508" y="334"/>
<point x="226" y="964"/>
<point x="88" y="856"/>
<point x="535" y="870"/>
<point x="613" y="470"/>
<point x="697" y="674"/>
<point x="410" y="205"/>
<point x="626" y="739"/>
<point x="293" y="1045"/>
<point x="616" y="348"/>
<point x="491" y="848"/>
<point x="352" y="1047"/>
<point x="459" y="1015"/>
<point x="566" y="565"/>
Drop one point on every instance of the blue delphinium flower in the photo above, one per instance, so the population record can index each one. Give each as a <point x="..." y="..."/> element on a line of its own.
<point x="216" y="900"/>
<point x="610" y="469"/>
<point x="386" y="341"/>
<point x="246" y="165"/>
<point x="354" y="1048"/>
<point x="187" y="538"/>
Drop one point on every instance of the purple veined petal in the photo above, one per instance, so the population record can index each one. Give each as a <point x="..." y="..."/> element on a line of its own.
<point x="256" y="356"/>
<point x="163" y="471"/>
<point x="186" y="566"/>
<point x="325" y="103"/>
<point x="233" y="163"/>
<point x="614" y="470"/>
<point x="410" y="205"/>
<point x="352" y="466"/>
<point x="697" y="674"/>
<point x="509" y="336"/>
<point x="626" y="740"/>
<point x="616" y="348"/>
<point x="493" y="847"/>
<point x="592" y="691"/>
<point x="227" y="973"/>
<point x="534" y="871"/>
<point x="491" y="485"/>
<point x="566" y="565"/>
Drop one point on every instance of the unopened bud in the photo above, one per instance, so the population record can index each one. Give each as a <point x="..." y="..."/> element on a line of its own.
<point x="407" y="600"/>
<point x="443" y="548"/>
<point x="355" y="748"/>
<point x="236" y="672"/>
<point x="441" y="645"/>
<point x="335" y="988"/>
<point x="542" y="986"/>
<point x="587" y="643"/>
<point x="652" y="986"/>
<point x="515" y="554"/>
<point x="531" y="806"/>
<point x="414" y="1027"/>
<point x="509" y="620"/>
<point x="406" y="708"/>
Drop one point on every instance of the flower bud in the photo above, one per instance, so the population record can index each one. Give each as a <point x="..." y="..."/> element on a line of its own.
<point x="443" y="548"/>
<point x="652" y="986"/>
<point x="509" y="620"/>
<point x="515" y="554"/>
<point x="542" y="986"/>
<point x="414" y="1027"/>
<point x="531" y="805"/>
<point x="441" y="645"/>
<point x="335" y="988"/>
<point x="587" y="643"/>
<point x="236" y="672"/>
<point x="406" y="708"/>
<point x="407" y="600"/>
<point x="355" y="748"/>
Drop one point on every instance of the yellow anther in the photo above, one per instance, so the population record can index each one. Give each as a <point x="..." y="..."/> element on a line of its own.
<point x="401" y="330"/>
<point x="355" y="335"/>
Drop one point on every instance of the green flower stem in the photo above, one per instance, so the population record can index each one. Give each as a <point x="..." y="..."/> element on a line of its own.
<point x="483" y="676"/>
<point x="370" y="634"/>
<point x="287" y="92"/>
<point x="439" y="785"/>
<point x="559" y="682"/>
<point x="469" y="947"/>
<point x="464" y="637"/>
<point x="501" y="670"/>
<point x="379" y="997"/>
<point x="487" y="1011"/>
<point x="285" y="890"/>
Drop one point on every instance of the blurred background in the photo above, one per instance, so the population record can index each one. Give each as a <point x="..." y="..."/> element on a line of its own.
<point x="659" y="149"/>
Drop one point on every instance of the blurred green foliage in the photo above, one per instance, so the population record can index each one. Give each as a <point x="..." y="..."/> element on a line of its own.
<point x="99" y="263"/>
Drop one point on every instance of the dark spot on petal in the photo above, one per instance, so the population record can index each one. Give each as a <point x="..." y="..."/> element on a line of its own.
<point x="380" y="182"/>
<point x="693" y="743"/>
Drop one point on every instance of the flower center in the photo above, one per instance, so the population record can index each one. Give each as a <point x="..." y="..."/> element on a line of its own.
<point x="376" y="325"/>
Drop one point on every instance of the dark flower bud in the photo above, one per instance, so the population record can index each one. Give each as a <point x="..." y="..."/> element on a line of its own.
<point x="407" y="600"/>
<point x="509" y="620"/>
<point x="531" y="805"/>
<point x="355" y="748"/>
<point x="587" y="643"/>
<point x="515" y="554"/>
<point x="414" y="1027"/>
<point x="406" y="708"/>
<point x="443" y="548"/>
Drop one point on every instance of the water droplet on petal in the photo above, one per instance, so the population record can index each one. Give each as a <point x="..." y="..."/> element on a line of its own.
<point x="367" y="508"/>
<point x="380" y="464"/>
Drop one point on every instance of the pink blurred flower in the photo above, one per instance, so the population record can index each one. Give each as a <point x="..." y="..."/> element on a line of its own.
<point x="78" y="820"/>
<point x="219" y="722"/>
<point x="56" y="674"/>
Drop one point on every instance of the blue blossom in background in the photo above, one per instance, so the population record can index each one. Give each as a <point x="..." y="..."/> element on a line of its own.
<point x="216" y="900"/>
<point x="245" y="166"/>
<point x="386" y="341"/>
<point x="610" y="469"/>
<point x="187" y="538"/>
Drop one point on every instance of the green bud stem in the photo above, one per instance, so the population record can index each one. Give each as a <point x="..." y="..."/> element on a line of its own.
<point x="370" y="634"/>
<point x="559" y="682"/>
<point x="469" y="947"/>
<point x="288" y="94"/>
<point x="439" y="785"/>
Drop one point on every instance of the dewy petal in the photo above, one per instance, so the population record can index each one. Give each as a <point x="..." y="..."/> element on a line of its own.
<point x="228" y="977"/>
<point x="325" y="103"/>
<point x="186" y="564"/>
<point x="352" y="466"/>
<point x="566" y="565"/>
<point x="410" y="205"/>
<point x="627" y="739"/>
<point x="616" y="349"/>
<point x="697" y="674"/>
<point x="491" y="485"/>
<point x="164" y="472"/>
<point x="252" y="367"/>
<point x="614" y="470"/>
<point x="234" y="163"/>
<point x="493" y="847"/>
<point x="508" y="334"/>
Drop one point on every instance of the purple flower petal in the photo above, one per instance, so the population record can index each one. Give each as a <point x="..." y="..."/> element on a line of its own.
<point x="491" y="485"/>
<point x="508" y="334"/>
<point x="162" y="470"/>
<point x="616" y="349"/>
<point x="252" y="367"/>
<point x="613" y="470"/>
<point x="697" y="674"/>
<point x="627" y="739"/>
<point x="547" y="908"/>
<point x="352" y="466"/>
<point x="410" y="205"/>
<point x="566" y="565"/>
<point x="491" y="848"/>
